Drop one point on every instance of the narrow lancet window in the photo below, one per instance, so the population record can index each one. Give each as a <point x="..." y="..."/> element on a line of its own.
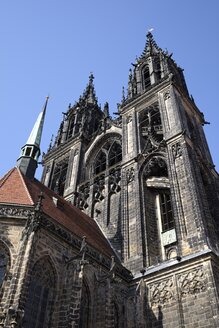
<point x="100" y="164"/>
<point x="41" y="294"/>
<point x="146" y="77"/>
<point x="115" y="154"/>
<point x="59" y="177"/>
<point x="167" y="219"/>
<point x="4" y="259"/>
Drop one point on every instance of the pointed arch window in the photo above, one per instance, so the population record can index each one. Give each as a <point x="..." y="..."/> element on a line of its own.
<point x="115" y="154"/>
<point x="108" y="156"/>
<point x="84" y="307"/>
<point x="59" y="177"/>
<point x="158" y="68"/>
<point x="41" y="295"/>
<point x="100" y="163"/>
<point x="166" y="212"/>
<point x="115" y="315"/>
<point x="146" y="77"/>
<point x="71" y="127"/>
<point x="4" y="261"/>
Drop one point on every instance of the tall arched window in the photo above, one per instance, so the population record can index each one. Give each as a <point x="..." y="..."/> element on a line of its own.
<point x="84" y="307"/>
<point x="158" y="68"/>
<point x="115" y="154"/>
<point x="146" y="77"/>
<point x="158" y="210"/>
<point x="115" y="315"/>
<point x="41" y="294"/>
<point x="100" y="163"/>
<point x="4" y="261"/>
<point x="166" y="212"/>
<point x="109" y="155"/>
<point x="59" y="177"/>
<point x="71" y="127"/>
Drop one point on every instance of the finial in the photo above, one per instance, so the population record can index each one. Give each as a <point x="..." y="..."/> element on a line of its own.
<point x="51" y="142"/>
<point x="130" y="74"/>
<point x="91" y="78"/>
<point x="45" y="105"/>
<point x="149" y="33"/>
<point x="150" y="29"/>
<point x="106" y="110"/>
<point x="123" y="94"/>
<point x="150" y="47"/>
<point x="39" y="202"/>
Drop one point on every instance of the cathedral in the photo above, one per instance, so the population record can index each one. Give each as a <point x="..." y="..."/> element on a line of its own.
<point x="123" y="229"/>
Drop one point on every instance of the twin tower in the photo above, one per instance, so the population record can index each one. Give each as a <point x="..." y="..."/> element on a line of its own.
<point x="146" y="176"/>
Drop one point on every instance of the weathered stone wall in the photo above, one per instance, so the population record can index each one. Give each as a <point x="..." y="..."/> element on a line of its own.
<point x="186" y="296"/>
<point x="104" y="290"/>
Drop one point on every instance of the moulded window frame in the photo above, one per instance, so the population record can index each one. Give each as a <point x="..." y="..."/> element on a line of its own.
<point x="159" y="218"/>
<point x="148" y="79"/>
<point x="107" y="154"/>
<point x="5" y="251"/>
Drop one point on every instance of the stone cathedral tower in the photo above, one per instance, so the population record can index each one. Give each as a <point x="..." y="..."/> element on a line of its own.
<point x="147" y="176"/>
<point x="142" y="251"/>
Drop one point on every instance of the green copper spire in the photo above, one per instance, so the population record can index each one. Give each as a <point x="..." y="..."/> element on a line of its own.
<point x="30" y="152"/>
<point x="36" y="133"/>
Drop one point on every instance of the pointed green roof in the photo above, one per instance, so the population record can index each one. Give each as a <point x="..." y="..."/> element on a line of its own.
<point x="36" y="133"/>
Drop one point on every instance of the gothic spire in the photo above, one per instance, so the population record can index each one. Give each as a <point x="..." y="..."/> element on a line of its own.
<point x="151" y="46"/>
<point x="30" y="152"/>
<point x="36" y="133"/>
<point x="89" y="95"/>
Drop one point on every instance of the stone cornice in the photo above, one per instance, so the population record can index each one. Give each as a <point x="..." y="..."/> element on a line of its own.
<point x="15" y="211"/>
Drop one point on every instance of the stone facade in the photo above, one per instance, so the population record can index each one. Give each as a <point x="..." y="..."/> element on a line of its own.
<point x="148" y="180"/>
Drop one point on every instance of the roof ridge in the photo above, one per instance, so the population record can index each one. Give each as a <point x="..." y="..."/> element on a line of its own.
<point x="6" y="176"/>
<point x="25" y="185"/>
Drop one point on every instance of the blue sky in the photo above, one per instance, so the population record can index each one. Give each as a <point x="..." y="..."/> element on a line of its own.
<point x="51" y="46"/>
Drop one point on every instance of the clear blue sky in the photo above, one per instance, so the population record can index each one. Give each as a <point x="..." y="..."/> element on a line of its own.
<point x="51" y="46"/>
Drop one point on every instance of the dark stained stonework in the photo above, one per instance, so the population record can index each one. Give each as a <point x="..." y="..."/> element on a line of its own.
<point x="123" y="231"/>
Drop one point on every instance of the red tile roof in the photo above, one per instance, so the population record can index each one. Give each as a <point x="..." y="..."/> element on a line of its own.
<point x="15" y="188"/>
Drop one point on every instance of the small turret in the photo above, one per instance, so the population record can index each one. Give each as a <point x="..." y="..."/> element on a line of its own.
<point x="30" y="152"/>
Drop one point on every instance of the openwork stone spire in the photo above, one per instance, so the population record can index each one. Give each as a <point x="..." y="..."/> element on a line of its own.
<point x="151" y="46"/>
<point x="89" y="95"/>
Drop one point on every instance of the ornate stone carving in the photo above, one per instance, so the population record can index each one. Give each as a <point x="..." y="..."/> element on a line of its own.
<point x="103" y="277"/>
<point x="114" y="180"/>
<point x="156" y="167"/>
<point x="177" y="150"/>
<point x="216" y="276"/>
<point x="2" y="317"/>
<point x="34" y="219"/>
<point x="15" y="316"/>
<point x="78" y="259"/>
<point x="82" y="195"/>
<point x="166" y="95"/>
<point x="161" y="292"/>
<point x="14" y="211"/>
<point x="129" y="119"/>
<point x="130" y="175"/>
<point x="99" y="188"/>
<point x="192" y="282"/>
<point x="48" y="168"/>
<point x="151" y="129"/>
<point x="76" y="151"/>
